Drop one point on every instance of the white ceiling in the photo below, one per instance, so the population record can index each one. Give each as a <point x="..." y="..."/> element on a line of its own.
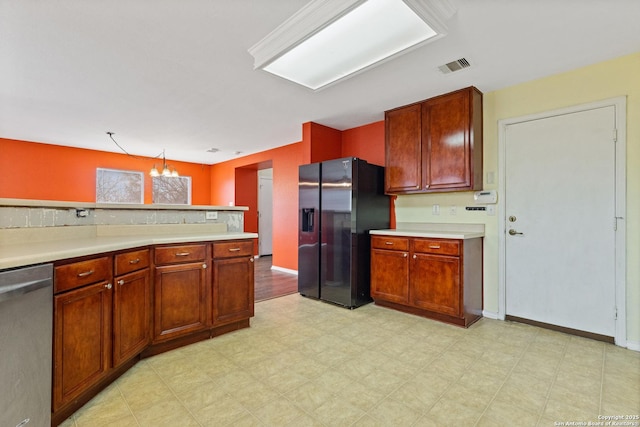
<point x="176" y="75"/>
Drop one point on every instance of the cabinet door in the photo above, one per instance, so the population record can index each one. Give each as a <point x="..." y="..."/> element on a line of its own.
<point x="131" y="315"/>
<point x="445" y="130"/>
<point x="180" y="300"/>
<point x="82" y="340"/>
<point x="390" y="276"/>
<point x="403" y="149"/>
<point x="435" y="283"/>
<point x="232" y="289"/>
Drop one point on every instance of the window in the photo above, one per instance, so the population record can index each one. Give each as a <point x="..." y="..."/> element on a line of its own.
<point x="172" y="190"/>
<point x="119" y="186"/>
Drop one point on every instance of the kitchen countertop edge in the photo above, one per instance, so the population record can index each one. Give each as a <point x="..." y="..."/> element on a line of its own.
<point x="12" y="256"/>
<point x="436" y="234"/>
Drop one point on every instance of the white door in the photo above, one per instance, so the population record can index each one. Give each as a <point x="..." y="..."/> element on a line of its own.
<point x="560" y="220"/>
<point x="265" y="213"/>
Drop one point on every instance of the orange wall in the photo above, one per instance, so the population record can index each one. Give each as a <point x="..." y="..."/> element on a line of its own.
<point x="365" y="142"/>
<point x="284" y="161"/>
<point x="50" y="172"/>
<point x="246" y="186"/>
<point x="324" y="143"/>
<point x="229" y="179"/>
<point x="39" y="171"/>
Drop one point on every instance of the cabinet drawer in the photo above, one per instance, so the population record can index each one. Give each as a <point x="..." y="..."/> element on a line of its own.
<point x="82" y="273"/>
<point x="434" y="246"/>
<point x="131" y="261"/>
<point x="182" y="253"/>
<point x="392" y="243"/>
<point x="233" y="249"/>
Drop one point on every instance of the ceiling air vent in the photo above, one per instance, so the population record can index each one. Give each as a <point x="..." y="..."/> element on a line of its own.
<point x="456" y="65"/>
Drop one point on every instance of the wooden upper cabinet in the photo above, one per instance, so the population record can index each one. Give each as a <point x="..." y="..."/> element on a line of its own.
<point x="403" y="148"/>
<point x="435" y="145"/>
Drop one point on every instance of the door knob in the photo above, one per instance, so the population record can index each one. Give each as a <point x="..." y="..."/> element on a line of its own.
<point x="514" y="232"/>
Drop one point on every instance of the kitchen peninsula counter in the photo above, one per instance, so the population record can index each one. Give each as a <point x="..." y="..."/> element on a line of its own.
<point x="38" y="231"/>
<point x="34" y="246"/>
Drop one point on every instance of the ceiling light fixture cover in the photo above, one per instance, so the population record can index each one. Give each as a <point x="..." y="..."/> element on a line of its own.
<point x="329" y="40"/>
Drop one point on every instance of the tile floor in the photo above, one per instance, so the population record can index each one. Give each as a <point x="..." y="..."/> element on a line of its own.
<point x="307" y="363"/>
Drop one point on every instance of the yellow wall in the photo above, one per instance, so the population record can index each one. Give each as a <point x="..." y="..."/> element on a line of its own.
<point x="596" y="82"/>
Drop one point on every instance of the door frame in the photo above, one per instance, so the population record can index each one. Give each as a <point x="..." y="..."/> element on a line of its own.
<point x="620" y="105"/>
<point x="261" y="201"/>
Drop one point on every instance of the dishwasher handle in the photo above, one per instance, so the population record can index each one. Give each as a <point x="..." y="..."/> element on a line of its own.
<point x="22" y="281"/>
<point x="10" y="291"/>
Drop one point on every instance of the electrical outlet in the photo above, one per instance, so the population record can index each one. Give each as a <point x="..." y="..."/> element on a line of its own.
<point x="453" y="210"/>
<point x="211" y="215"/>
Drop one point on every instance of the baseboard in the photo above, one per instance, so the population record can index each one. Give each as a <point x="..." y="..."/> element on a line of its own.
<point x="633" y="345"/>
<point x="284" y="270"/>
<point x="490" y="315"/>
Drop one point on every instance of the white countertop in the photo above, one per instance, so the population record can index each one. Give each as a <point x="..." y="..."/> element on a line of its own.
<point x="434" y="230"/>
<point x="432" y="234"/>
<point x="27" y="253"/>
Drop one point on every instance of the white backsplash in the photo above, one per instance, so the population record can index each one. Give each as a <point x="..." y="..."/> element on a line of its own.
<point x="34" y="217"/>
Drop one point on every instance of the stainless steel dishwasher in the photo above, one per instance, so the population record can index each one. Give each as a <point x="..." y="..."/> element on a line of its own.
<point x="26" y="322"/>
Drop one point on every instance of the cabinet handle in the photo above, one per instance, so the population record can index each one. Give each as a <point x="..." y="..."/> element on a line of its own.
<point x="434" y="246"/>
<point x="234" y="249"/>
<point x="182" y="254"/>
<point x="120" y="282"/>
<point x="405" y="254"/>
<point x="415" y="256"/>
<point x="86" y="273"/>
<point x="204" y="265"/>
<point x="108" y="286"/>
<point x="388" y="243"/>
<point x="134" y="261"/>
<point x="426" y="186"/>
<point x="251" y="259"/>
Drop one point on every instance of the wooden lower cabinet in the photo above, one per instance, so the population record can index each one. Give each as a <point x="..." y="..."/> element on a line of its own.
<point x="82" y="340"/>
<point x="435" y="283"/>
<point x="436" y="278"/>
<point x="390" y="275"/>
<point x="131" y="315"/>
<point x="109" y="313"/>
<point x="180" y="300"/>
<point x="233" y="289"/>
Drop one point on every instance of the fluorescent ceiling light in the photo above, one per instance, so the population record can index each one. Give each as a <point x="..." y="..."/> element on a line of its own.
<point x="329" y="40"/>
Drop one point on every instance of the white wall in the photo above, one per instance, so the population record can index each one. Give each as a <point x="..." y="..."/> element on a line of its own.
<point x="603" y="80"/>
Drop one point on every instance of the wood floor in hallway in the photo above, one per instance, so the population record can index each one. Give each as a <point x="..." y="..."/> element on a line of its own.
<point x="272" y="283"/>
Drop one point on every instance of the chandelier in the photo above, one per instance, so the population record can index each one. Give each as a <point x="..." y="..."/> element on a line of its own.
<point x="166" y="171"/>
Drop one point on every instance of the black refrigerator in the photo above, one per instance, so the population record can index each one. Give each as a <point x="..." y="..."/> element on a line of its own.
<point x="339" y="202"/>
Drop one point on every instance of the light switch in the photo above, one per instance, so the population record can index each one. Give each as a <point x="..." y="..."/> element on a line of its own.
<point x="491" y="210"/>
<point x="435" y="209"/>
